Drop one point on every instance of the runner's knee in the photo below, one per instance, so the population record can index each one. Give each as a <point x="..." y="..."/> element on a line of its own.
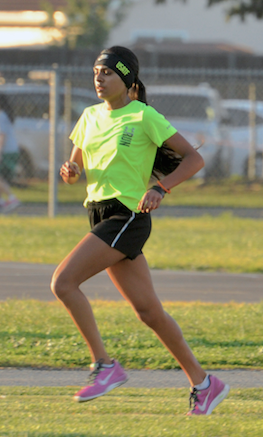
<point x="61" y="285"/>
<point x="152" y="316"/>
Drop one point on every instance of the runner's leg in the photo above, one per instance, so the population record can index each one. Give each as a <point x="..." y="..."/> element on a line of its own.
<point x="133" y="280"/>
<point x="88" y="258"/>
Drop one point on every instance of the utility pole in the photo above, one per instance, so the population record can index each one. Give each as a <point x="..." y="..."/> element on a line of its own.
<point x="252" y="133"/>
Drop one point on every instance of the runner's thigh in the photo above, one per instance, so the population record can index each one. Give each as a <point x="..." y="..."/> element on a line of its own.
<point x="89" y="257"/>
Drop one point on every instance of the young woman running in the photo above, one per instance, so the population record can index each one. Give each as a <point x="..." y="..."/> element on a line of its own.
<point x="119" y="143"/>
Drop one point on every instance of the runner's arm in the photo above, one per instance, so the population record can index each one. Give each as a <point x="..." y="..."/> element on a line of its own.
<point x="192" y="162"/>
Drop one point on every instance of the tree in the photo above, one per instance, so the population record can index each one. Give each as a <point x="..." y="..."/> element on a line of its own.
<point x="240" y="8"/>
<point x="87" y="23"/>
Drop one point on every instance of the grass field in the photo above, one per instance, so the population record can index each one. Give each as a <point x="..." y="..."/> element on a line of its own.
<point x="223" y="243"/>
<point x="222" y="336"/>
<point x="38" y="333"/>
<point x="136" y="413"/>
<point x="39" y="412"/>
<point x="228" y="193"/>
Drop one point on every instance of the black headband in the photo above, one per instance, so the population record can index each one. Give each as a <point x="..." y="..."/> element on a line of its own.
<point x="115" y="63"/>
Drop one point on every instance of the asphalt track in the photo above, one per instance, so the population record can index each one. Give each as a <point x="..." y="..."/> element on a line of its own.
<point x="23" y="281"/>
<point x="137" y="378"/>
<point x="31" y="281"/>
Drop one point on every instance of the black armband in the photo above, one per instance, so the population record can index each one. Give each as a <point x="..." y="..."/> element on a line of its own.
<point x="159" y="189"/>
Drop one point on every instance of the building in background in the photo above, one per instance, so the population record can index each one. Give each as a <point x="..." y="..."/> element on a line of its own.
<point x="168" y="52"/>
<point x="22" y="21"/>
<point x="190" y="22"/>
<point x="173" y="34"/>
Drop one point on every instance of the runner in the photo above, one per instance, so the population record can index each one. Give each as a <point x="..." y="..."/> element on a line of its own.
<point x="120" y="143"/>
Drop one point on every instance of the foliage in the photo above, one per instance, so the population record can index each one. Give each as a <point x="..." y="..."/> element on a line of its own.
<point x="87" y="21"/>
<point x="238" y="8"/>
<point x="242" y="8"/>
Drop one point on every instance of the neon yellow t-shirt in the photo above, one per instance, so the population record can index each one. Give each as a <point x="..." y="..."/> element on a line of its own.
<point x="118" y="150"/>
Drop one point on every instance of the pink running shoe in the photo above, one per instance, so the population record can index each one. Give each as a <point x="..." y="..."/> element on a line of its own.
<point x="101" y="381"/>
<point x="204" y="401"/>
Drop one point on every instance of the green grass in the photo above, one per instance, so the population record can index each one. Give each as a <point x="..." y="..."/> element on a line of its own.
<point x="39" y="412"/>
<point x="205" y="243"/>
<point x="222" y="336"/>
<point x="228" y="193"/>
<point x="225" y="336"/>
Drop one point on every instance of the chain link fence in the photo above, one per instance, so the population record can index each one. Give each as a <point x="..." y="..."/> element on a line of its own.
<point x="221" y="108"/>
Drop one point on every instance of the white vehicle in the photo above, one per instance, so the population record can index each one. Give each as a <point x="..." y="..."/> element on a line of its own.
<point x="30" y="103"/>
<point x="197" y="114"/>
<point x="239" y="133"/>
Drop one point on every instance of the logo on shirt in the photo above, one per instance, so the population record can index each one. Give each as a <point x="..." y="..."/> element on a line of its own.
<point x="126" y="137"/>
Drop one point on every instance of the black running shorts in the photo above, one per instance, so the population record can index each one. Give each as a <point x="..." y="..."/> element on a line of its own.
<point x="119" y="227"/>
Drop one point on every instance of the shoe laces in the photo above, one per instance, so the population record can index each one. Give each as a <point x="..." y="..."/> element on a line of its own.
<point x="97" y="368"/>
<point x="193" y="398"/>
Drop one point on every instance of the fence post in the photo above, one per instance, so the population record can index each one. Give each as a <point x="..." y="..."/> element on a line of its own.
<point x="53" y="142"/>
<point x="67" y="119"/>
<point x="252" y="133"/>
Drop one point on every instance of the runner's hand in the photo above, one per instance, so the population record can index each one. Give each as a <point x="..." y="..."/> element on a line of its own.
<point x="69" y="170"/>
<point x="150" y="200"/>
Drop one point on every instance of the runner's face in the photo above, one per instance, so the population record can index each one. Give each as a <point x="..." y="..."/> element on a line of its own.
<point x="108" y="84"/>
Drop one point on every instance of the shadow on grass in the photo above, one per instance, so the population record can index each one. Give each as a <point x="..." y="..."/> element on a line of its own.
<point x="202" y="341"/>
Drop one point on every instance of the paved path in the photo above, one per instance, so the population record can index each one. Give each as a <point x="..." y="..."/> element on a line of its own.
<point x="137" y="378"/>
<point x="21" y="280"/>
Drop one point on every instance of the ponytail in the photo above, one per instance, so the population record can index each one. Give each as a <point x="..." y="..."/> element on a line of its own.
<point x="165" y="162"/>
<point x="138" y="91"/>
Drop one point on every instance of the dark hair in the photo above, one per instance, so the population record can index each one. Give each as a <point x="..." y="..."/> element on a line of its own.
<point x="6" y="107"/>
<point x="166" y="160"/>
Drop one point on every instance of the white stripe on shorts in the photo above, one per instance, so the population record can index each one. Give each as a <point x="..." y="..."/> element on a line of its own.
<point x="123" y="229"/>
